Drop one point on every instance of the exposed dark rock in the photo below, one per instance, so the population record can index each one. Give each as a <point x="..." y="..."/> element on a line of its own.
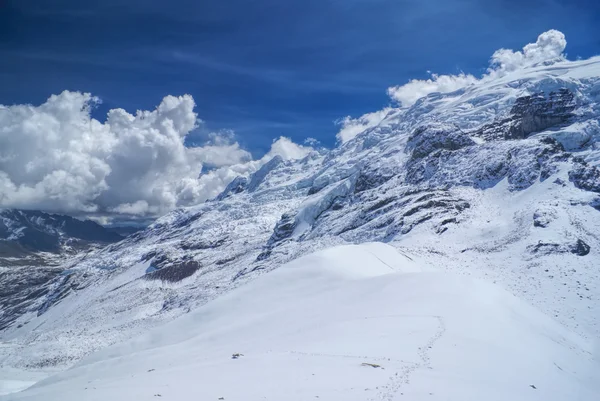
<point x="239" y="184"/>
<point x="426" y="140"/>
<point x="546" y="248"/>
<point x="175" y="271"/>
<point x="224" y="261"/>
<point x="580" y="248"/>
<point x="283" y="231"/>
<point x="263" y="255"/>
<point x="160" y="260"/>
<point x="560" y="182"/>
<point x="522" y="166"/>
<point x="443" y="225"/>
<point x="381" y="203"/>
<point x="585" y="177"/>
<point x="337" y="205"/>
<point x="459" y="206"/>
<point x="284" y="228"/>
<point x="538" y="112"/>
<point x="541" y="162"/>
<point x="369" y="179"/>
<point x="554" y="147"/>
<point x="146" y="257"/>
<point x="314" y="189"/>
<point x="202" y="244"/>
<point x="541" y="219"/>
<point x="449" y="221"/>
<point x="531" y="114"/>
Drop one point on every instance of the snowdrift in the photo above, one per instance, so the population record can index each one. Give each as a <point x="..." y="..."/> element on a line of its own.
<point x="349" y="323"/>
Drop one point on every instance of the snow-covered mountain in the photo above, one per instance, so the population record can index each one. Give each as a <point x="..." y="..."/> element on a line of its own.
<point x="33" y="246"/>
<point x="498" y="180"/>
<point x="27" y="232"/>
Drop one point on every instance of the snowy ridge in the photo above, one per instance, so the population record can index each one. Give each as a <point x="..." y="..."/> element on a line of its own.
<point x="498" y="180"/>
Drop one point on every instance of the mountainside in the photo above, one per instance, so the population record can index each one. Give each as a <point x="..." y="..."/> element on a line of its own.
<point x="26" y="232"/>
<point x="498" y="180"/>
<point x="359" y="322"/>
<point x="33" y="246"/>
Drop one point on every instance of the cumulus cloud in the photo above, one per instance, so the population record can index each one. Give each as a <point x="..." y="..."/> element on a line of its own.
<point x="409" y="93"/>
<point x="287" y="149"/>
<point x="351" y="127"/>
<point x="211" y="184"/>
<point x="56" y="157"/>
<point x="548" y="48"/>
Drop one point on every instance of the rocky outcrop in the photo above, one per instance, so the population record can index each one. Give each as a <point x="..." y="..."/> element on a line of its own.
<point x="174" y="271"/>
<point x="579" y="248"/>
<point x="531" y="114"/>
<point x="539" y="112"/>
<point x="282" y="232"/>
<point x="239" y="184"/>
<point x="428" y="139"/>
<point x="585" y="176"/>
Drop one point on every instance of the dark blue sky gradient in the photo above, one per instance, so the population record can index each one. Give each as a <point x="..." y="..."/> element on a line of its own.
<point x="265" y="68"/>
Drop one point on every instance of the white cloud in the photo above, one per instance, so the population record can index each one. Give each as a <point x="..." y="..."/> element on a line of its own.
<point x="56" y="157"/>
<point x="409" y="93"/>
<point x="138" y="208"/>
<point x="287" y="149"/>
<point x="351" y="127"/>
<point x="549" y="47"/>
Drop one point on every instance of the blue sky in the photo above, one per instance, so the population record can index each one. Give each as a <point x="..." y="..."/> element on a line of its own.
<point x="265" y="68"/>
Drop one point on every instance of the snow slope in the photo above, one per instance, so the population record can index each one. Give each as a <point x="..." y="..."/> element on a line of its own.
<point x="349" y="323"/>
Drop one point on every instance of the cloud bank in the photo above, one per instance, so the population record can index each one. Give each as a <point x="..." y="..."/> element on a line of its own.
<point x="549" y="47"/>
<point x="56" y="157"/>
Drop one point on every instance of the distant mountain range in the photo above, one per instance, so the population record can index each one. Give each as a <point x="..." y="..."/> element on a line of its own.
<point x="33" y="245"/>
<point x="27" y="232"/>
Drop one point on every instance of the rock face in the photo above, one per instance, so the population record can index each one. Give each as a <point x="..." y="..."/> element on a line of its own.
<point x="585" y="176"/>
<point x="531" y="114"/>
<point x="540" y="111"/>
<point x="477" y="181"/>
